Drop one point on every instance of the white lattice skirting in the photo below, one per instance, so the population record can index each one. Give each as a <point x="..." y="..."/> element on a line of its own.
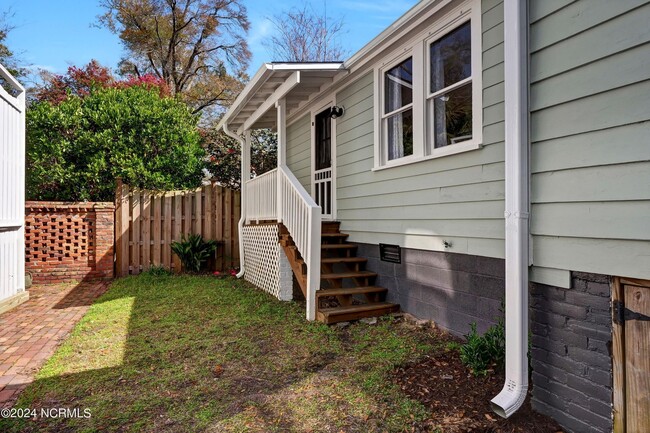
<point x="266" y="265"/>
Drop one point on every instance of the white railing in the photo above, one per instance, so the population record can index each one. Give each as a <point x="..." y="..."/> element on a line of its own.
<point x="323" y="190"/>
<point x="261" y="197"/>
<point x="302" y="217"/>
<point x="277" y="195"/>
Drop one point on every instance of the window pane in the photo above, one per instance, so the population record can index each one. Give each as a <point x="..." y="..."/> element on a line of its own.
<point x="451" y="58"/>
<point x="400" y="134"/>
<point x="452" y="114"/>
<point x="399" y="86"/>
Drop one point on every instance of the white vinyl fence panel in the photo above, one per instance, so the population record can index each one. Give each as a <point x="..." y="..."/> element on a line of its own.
<point x="12" y="187"/>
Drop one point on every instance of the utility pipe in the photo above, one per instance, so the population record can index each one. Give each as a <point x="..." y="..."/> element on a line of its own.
<point x="517" y="205"/>
<point x="245" y="169"/>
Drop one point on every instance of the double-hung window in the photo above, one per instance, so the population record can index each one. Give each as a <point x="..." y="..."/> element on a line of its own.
<point x="397" y="119"/>
<point x="449" y="96"/>
<point x="429" y="93"/>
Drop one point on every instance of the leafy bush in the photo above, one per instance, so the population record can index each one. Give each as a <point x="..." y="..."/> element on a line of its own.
<point x="487" y="352"/>
<point x="76" y="148"/>
<point x="194" y="251"/>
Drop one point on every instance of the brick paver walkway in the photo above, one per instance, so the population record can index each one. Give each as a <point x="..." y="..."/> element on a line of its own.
<point x="30" y="333"/>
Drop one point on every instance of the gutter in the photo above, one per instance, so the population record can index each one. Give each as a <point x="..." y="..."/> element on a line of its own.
<point x="242" y="219"/>
<point x="517" y="205"/>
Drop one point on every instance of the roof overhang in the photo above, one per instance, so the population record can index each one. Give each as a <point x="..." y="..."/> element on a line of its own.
<point x="295" y="83"/>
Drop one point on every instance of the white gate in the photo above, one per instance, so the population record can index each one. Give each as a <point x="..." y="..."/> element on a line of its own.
<point x="12" y="191"/>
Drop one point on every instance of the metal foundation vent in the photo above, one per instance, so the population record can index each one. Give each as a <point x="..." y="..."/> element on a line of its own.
<point x="390" y="253"/>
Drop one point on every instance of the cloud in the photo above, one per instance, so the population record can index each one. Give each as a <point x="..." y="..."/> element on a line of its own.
<point x="260" y="30"/>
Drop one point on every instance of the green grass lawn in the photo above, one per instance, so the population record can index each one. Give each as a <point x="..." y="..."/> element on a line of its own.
<point x="196" y="353"/>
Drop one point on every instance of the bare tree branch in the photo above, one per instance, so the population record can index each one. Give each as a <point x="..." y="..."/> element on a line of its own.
<point x="303" y="35"/>
<point x="197" y="46"/>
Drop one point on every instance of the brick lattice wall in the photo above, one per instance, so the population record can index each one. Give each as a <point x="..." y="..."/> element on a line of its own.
<point x="69" y="241"/>
<point x="571" y="364"/>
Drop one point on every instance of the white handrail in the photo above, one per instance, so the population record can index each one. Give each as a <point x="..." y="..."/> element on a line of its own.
<point x="261" y="197"/>
<point x="302" y="217"/>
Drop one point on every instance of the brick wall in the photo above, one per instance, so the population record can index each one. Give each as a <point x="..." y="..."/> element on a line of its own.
<point x="69" y="241"/>
<point x="451" y="289"/>
<point x="571" y="364"/>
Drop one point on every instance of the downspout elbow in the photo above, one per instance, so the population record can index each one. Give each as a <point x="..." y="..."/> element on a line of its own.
<point x="510" y="399"/>
<point x="240" y="224"/>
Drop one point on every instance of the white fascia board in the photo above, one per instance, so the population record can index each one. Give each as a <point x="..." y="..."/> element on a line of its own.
<point x="10" y="78"/>
<point x="264" y="73"/>
<point x="292" y="81"/>
<point x="258" y="80"/>
<point x="327" y="67"/>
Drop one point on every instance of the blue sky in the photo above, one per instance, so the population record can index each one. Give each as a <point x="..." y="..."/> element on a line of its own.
<point x="55" y="34"/>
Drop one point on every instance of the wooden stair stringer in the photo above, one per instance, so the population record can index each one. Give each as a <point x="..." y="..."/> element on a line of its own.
<point x="295" y="259"/>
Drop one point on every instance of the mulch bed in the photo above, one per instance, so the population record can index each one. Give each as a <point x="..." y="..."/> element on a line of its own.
<point x="460" y="402"/>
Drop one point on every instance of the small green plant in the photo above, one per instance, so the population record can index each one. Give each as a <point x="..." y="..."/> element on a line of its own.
<point x="194" y="251"/>
<point x="453" y="346"/>
<point x="158" y="271"/>
<point x="482" y="353"/>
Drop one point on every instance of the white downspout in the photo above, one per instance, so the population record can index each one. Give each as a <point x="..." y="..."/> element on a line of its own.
<point x="515" y="388"/>
<point x="245" y="169"/>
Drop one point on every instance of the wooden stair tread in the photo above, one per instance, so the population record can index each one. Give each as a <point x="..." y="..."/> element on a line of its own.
<point x="354" y="312"/>
<point x="337" y="246"/>
<point x="349" y="274"/>
<point x="334" y="235"/>
<point x="350" y="291"/>
<point x="343" y="260"/>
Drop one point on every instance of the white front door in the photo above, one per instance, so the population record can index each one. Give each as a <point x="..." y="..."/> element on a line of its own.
<point x="323" y="187"/>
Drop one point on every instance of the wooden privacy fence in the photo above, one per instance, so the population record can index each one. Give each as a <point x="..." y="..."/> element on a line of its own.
<point x="146" y="222"/>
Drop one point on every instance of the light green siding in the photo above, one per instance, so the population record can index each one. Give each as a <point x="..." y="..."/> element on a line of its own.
<point x="299" y="150"/>
<point x="590" y="123"/>
<point x="457" y="198"/>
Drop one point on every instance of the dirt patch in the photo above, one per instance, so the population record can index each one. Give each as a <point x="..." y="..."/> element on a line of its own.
<point x="459" y="401"/>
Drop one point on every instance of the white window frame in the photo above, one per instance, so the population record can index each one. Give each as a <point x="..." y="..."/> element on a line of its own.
<point x="418" y="49"/>
<point x="383" y="122"/>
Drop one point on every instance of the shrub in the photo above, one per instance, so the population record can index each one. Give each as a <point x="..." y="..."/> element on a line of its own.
<point x="77" y="148"/>
<point x="194" y="251"/>
<point x="487" y="352"/>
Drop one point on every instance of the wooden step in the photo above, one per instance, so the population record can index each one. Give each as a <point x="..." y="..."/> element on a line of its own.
<point x="350" y="291"/>
<point x="334" y="235"/>
<point x="330" y="226"/>
<point x="338" y="246"/>
<point x="354" y="312"/>
<point x="349" y="274"/>
<point x="335" y="260"/>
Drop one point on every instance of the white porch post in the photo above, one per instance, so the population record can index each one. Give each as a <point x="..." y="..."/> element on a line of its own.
<point x="281" y="107"/>
<point x="282" y="147"/>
